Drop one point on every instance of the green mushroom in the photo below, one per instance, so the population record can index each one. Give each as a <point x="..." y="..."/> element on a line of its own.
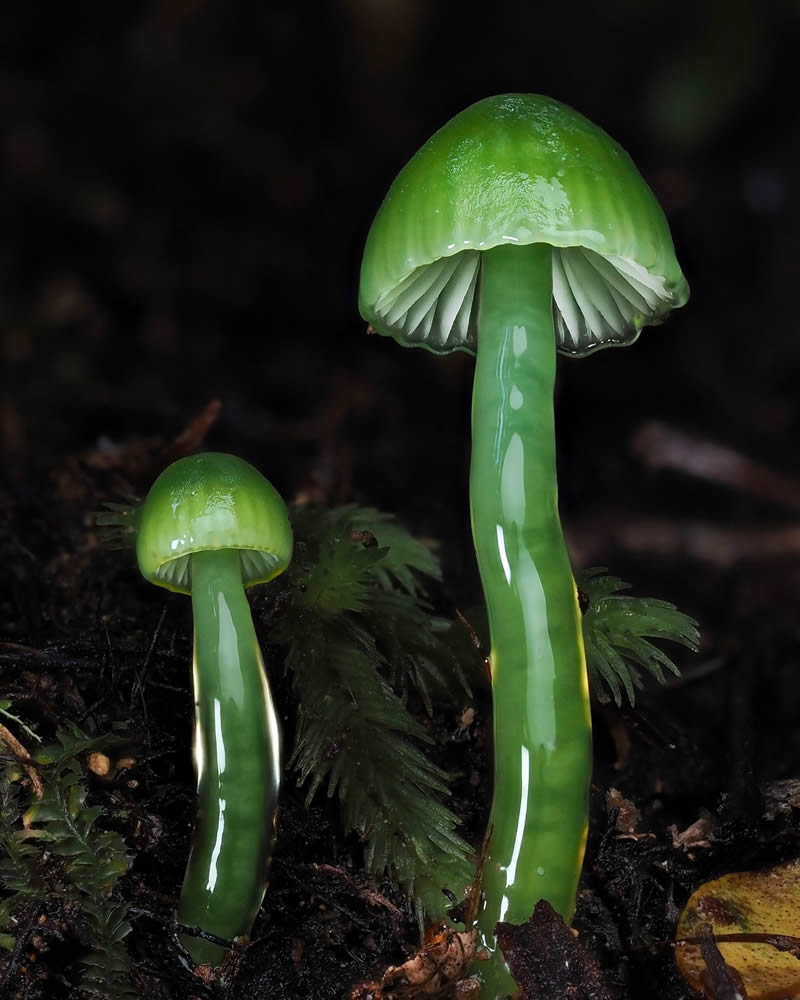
<point x="210" y="526"/>
<point x="519" y="229"/>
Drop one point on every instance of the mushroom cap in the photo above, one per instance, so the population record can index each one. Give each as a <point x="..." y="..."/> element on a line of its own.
<point x="519" y="168"/>
<point x="207" y="502"/>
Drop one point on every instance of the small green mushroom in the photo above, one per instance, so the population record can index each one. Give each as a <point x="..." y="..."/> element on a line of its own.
<point x="518" y="229"/>
<point x="210" y="526"/>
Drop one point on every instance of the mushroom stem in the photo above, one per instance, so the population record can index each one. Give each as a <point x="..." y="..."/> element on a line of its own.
<point x="542" y="725"/>
<point x="237" y="756"/>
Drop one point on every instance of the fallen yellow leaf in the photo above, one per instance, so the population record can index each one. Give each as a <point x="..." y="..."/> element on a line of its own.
<point x="765" y="903"/>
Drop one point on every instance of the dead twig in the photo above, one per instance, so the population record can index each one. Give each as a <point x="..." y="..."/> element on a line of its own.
<point x="370" y="896"/>
<point x="24" y="758"/>
<point x="661" y="447"/>
<point x="591" y="539"/>
<point x="194" y="434"/>
<point x="720" y="980"/>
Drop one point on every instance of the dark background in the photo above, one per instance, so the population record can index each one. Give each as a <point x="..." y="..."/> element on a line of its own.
<point x="186" y="188"/>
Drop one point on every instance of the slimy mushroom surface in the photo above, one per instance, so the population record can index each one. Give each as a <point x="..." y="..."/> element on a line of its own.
<point x="519" y="229"/>
<point x="211" y="526"/>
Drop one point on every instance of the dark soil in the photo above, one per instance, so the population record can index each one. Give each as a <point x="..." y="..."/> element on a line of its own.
<point x="186" y="190"/>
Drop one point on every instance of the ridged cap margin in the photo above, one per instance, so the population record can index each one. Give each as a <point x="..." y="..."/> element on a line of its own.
<point x="212" y="501"/>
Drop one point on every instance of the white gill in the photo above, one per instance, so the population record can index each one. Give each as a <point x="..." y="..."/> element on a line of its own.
<point x="596" y="301"/>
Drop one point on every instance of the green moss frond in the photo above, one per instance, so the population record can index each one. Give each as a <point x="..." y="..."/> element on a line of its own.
<point x="407" y="558"/>
<point x="18" y="857"/>
<point x="107" y="967"/>
<point x="414" y="642"/>
<point x="338" y="578"/>
<point x="53" y="846"/>
<point x="360" y="636"/>
<point x="616" y="633"/>
<point x="357" y="740"/>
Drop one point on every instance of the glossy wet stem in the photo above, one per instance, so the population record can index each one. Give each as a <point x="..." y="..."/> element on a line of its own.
<point x="542" y="728"/>
<point x="237" y="754"/>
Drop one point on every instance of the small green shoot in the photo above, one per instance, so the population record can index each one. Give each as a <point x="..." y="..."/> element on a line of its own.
<point x="616" y="633"/>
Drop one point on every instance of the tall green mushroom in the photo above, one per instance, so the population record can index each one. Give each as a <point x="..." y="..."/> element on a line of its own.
<point x="210" y="526"/>
<point x="519" y="229"/>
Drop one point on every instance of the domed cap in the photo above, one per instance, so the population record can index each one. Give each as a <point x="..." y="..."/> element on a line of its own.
<point x="519" y="168"/>
<point x="206" y="502"/>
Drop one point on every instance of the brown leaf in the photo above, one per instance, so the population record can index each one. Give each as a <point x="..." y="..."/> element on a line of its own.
<point x="438" y="970"/>
<point x="699" y="834"/>
<point x="628" y="816"/>
<point x="548" y="961"/>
